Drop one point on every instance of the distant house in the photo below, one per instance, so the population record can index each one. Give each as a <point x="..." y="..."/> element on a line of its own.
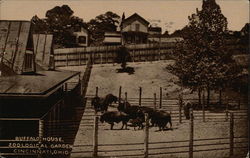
<point x="134" y="29"/>
<point x="81" y="36"/>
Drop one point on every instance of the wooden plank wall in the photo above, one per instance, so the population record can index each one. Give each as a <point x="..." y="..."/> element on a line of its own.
<point x="13" y="41"/>
<point x="43" y="49"/>
<point x="107" y="54"/>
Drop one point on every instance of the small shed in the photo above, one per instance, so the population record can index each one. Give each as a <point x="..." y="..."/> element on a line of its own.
<point x="33" y="100"/>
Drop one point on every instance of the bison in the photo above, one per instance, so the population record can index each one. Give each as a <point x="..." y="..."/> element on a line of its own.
<point x="137" y="122"/>
<point x="101" y="104"/>
<point x="161" y="119"/>
<point x="112" y="117"/>
<point x="135" y="111"/>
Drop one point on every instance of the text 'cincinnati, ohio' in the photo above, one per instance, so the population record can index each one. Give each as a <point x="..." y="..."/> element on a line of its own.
<point x="38" y="151"/>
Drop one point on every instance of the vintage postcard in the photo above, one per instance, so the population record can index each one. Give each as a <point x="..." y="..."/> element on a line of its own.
<point x="124" y="78"/>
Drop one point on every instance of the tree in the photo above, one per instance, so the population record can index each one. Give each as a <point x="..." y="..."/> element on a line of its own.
<point x="101" y="24"/>
<point x="39" y="25"/>
<point x="203" y="62"/>
<point x="61" y="23"/>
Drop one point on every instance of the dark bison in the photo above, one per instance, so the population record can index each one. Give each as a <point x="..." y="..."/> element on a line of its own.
<point x="137" y="122"/>
<point x="101" y="104"/>
<point x="161" y="119"/>
<point x="135" y="111"/>
<point x="112" y="117"/>
<point x="137" y="119"/>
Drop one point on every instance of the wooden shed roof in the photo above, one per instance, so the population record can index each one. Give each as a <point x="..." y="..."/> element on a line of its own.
<point x="13" y="43"/>
<point x="43" y="50"/>
<point x="39" y="85"/>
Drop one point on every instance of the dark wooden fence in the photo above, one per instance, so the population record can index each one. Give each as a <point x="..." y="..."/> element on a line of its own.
<point x="218" y="110"/>
<point x="147" y="148"/>
<point x="108" y="54"/>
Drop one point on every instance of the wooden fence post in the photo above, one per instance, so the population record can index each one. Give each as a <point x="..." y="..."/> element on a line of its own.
<point x="106" y="56"/>
<point x="96" y="91"/>
<point x="239" y="104"/>
<point x="79" y="58"/>
<point x="67" y="58"/>
<point x="126" y="96"/>
<point x="160" y="97"/>
<point x="66" y="87"/>
<point x="159" y="54"/>
<point x="227" y="109"/>
<point x="101" y="58"/>
<point x="231" y="134"/>
<point x="220" y="97"/>
<point x="203" y="106"/>
<point x="191" y="139"/>
<point x="140" y="91"/>
<point x="146" y="132"/>
<point x="155" y="101"/>
<point x="180" y="107"/>
<point x="95" y="137"/>
<point x="126" y="99"/>
<point x="120" y="93"/>
<point x="133" y="55"/>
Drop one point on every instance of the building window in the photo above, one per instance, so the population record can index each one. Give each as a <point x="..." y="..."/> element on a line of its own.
<point x="137" y="27"/>
<point x="82" y="39"/>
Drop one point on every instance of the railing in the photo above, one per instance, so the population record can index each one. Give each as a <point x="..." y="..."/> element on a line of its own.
<point x="190" y="147"/>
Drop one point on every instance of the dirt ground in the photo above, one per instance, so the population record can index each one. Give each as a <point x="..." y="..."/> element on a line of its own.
<point x="149" y="76"/>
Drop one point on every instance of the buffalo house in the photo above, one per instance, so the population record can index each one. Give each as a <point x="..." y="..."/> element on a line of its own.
<point x="34" y="98"/>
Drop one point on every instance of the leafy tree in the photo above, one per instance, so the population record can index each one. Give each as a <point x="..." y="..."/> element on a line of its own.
<point x="203" y="62"/>
<point x="40" y="25"/>
<point x="123" y="57"/>
<point x="61" y="23"/>
<point x="101" y="24"/>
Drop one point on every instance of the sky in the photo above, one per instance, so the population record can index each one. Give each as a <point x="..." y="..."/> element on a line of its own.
<point x="168" y="14"/>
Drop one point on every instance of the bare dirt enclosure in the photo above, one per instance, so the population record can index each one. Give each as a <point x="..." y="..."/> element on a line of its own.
<point x="211" y="138"/>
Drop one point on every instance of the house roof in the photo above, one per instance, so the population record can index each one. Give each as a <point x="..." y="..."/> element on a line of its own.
<point x="134" y="17"/>
<point x="39" y="85"/>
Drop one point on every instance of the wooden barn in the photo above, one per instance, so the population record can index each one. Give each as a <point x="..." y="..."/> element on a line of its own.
<point x="34" y="98"/>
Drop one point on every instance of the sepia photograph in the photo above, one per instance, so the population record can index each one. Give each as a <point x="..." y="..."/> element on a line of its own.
<point x="124" y="78"/>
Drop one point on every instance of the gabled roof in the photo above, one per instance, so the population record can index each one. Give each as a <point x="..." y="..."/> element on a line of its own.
<point x="13" y="43"/>
<point x="134" y="17"/>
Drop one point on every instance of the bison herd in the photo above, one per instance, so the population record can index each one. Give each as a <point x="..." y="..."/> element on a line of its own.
<point x="127" y="113"/>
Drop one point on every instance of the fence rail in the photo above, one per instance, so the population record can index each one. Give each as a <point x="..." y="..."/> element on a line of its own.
<point x="108" y="54"/>
<point x="149" y="148"/>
